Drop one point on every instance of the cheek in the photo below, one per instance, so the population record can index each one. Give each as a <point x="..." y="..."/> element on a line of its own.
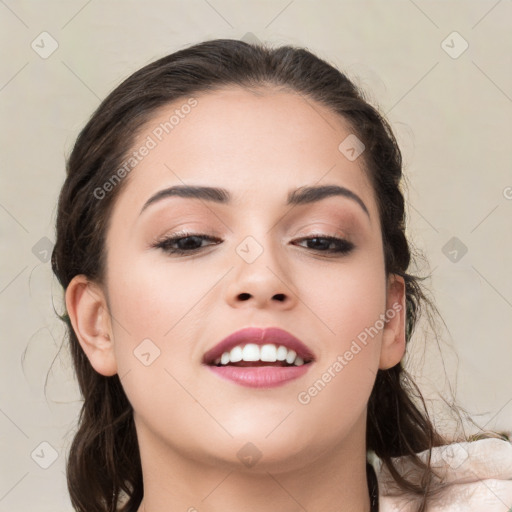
<point x="338" y="394"/>
<point x="149" y="300"/>
<point x="151" y="310"/>
<point x="347" y="299"/>
<point x="350" y="303"/>
<point x="350" y="313"/>
<point x="158" y="310"/>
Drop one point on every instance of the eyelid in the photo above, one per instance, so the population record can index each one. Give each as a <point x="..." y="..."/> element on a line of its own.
<point x="183" y="233"/>
<point x="332" y="230"/>
<point x="342" y="248"/>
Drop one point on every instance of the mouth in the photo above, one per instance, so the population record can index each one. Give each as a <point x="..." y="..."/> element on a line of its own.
<point x="257" y="357"/>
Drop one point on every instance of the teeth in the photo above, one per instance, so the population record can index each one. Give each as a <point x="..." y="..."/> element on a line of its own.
<point x="266" y="353"/>
<point x="235" y="355"/>
<point x="282" y="352"/>
<point x="290" y="358"/>
<point x="251" y="352"/>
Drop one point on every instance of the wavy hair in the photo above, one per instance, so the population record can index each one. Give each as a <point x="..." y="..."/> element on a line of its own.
<point x="104" y="471"/>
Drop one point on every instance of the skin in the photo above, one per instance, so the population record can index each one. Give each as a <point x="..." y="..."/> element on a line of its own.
<point x="191" y="423"/>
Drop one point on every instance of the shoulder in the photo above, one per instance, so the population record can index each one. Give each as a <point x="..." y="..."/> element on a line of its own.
<point x="472" y="476"/>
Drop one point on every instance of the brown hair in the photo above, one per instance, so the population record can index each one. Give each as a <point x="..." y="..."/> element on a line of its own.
<point x="103" y="466"/>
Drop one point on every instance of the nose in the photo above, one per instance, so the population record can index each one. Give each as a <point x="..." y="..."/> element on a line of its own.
<point x="260" y="280"/>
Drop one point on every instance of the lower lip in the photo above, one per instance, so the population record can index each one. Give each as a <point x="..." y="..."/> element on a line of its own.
<point x="260" y="376"/>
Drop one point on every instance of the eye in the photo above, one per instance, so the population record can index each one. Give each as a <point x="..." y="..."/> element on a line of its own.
<point x="184" y="243"/>
<point x="188" y="243"/>
<point x="329" y="244"/>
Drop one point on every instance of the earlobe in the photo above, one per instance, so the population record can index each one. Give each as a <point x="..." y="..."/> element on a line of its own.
<point x="393" y="339"/>
<point x="88" y="312"/>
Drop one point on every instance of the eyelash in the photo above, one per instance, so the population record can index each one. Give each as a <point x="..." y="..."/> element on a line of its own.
<point x="343" y="246"/>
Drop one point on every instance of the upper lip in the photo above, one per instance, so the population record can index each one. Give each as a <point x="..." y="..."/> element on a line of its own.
<point x="259" y="336"/>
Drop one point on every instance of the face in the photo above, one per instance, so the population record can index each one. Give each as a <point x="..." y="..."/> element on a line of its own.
<point x="262" y="263"/>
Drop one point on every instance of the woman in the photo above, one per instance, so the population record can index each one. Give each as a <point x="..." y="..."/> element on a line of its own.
<point x="230" y="237"/>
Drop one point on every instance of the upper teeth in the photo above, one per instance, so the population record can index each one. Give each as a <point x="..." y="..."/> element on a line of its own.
<point x="267" y="353"/>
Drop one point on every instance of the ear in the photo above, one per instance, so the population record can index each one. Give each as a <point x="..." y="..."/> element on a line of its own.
<point x="88" y="312"/>
<point x="393" y="338"/>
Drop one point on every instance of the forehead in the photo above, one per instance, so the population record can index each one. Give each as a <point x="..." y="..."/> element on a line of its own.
<point x="258" y="143"/>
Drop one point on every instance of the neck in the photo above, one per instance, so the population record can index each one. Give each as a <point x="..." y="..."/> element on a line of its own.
<point x="332" y="481"/>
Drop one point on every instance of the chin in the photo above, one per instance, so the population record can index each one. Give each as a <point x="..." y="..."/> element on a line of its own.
<point x="253" y="452"/>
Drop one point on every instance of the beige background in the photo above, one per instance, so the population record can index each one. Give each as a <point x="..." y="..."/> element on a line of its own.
<point x="451" y="110"/>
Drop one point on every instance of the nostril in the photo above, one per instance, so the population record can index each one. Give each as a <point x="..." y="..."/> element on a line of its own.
<point x="245" y="296"/>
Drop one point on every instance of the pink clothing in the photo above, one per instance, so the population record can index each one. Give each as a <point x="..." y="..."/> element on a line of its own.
<point x="479" y="474"/>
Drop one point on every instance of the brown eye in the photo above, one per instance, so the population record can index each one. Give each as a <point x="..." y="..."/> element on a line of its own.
<point x="184" y="243"/>
<point x="328" y="244"/>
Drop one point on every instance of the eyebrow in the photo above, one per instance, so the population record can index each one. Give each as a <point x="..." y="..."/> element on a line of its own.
<point x="300" y="196"/>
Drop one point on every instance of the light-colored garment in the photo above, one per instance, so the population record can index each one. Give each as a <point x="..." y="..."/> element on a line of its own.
<point x="478" y="474"/>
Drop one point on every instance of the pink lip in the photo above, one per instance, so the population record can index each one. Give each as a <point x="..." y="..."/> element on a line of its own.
<point x="259" y="376"/>
<point x="259" y="337"/>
